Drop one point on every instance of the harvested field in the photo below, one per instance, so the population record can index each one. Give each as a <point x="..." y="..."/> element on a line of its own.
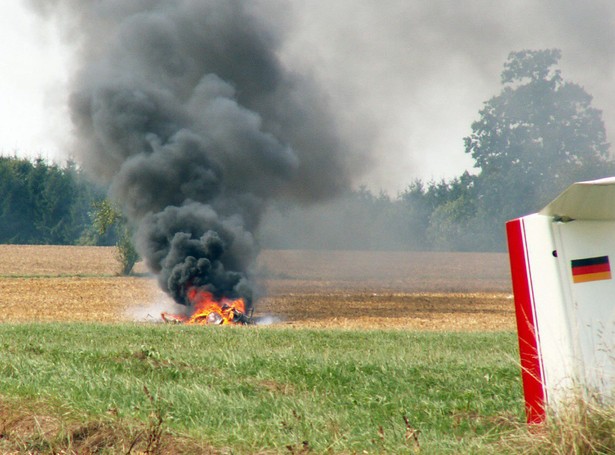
<point x="368" y="271"/>
<point x="427" y="291"/>
<point x="51" y="260"/>
<point x="424" y="311"/>
<point x="74" y="298"/>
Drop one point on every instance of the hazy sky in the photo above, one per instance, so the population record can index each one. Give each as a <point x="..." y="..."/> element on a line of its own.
<point x="33" y="81"/>
<point x="406" y="77"/>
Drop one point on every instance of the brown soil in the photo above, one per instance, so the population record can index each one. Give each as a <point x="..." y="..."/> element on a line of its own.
<point x="400" y="290"/>
<point x="424" y="311"/>
<point x="32" y="427"/>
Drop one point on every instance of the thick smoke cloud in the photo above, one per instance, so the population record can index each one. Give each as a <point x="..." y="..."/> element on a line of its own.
<point x="193" y="245"/>
<point x="405" y="78"/>
<point x="186" y="110"/>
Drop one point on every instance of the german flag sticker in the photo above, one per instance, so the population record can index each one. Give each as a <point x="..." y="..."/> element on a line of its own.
<point x="591" y="269"/>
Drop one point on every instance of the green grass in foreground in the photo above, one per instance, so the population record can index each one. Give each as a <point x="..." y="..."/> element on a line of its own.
<point x="254" y="389"/>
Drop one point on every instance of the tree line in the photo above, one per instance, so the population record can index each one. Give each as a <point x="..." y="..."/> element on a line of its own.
<point x="536" y="137"/>
<point x="531" y="141"/>
<point x="45" y="203"/>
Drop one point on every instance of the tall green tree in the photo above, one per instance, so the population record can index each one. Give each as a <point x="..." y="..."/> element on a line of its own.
<point x="420" y="201"/>
<point x="539" y="135"/>
<point x="17" y="212"/>
<point x="108" y="217"/>
<point x="43" y="203"/>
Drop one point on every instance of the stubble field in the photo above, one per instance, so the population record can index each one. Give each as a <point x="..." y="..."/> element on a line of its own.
<point x="346" y="289"/>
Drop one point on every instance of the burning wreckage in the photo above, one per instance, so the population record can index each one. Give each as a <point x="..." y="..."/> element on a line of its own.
<point x="194" y="141"/>
<point x="211" y="311"/>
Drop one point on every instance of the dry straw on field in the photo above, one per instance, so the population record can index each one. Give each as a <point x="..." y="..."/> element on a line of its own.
<point x="48" y="260"/>
<point x="427" y="291"/>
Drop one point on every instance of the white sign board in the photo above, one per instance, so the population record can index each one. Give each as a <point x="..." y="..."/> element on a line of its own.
<point x="562" y="265"/>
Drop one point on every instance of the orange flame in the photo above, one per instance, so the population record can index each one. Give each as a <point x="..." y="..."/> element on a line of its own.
<point x="208" y="310"/>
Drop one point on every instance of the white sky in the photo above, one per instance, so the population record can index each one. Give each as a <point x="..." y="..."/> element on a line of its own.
<point x="33" y="78"/>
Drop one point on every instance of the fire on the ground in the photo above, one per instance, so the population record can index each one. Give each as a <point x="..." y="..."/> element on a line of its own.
<point x="209" y="310"/>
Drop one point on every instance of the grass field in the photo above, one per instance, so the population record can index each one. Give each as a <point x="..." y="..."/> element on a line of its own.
<point x="262" y="389"/>
<point x="363" y="341"/>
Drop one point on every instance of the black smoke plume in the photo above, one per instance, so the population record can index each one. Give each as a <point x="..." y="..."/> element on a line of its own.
<point x="185" y="109"/>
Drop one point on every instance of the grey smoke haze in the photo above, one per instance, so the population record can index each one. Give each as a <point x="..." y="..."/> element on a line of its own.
<point x="299" y="100"/>
<point x="406" y="78"/>
<point x="186" y="110"/>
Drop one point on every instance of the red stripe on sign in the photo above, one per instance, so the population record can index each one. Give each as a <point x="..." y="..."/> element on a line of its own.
<point x="596" y="268"/>
<point x="531" y="371"/>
